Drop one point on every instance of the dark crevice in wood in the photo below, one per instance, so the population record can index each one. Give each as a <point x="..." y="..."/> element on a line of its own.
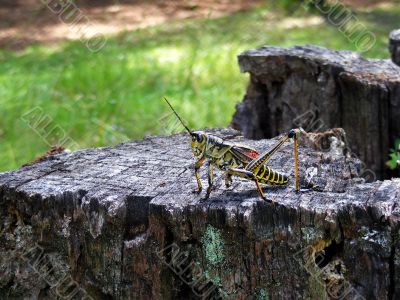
<point x="137" y="216"/>
<point x="392" y="275"/>
<point x="330" y="252"/>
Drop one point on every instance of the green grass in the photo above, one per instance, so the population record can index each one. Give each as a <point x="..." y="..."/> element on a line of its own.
<point x="116" y="94"/>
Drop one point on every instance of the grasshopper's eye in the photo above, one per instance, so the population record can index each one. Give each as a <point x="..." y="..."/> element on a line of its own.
<point x="196" y="138"/>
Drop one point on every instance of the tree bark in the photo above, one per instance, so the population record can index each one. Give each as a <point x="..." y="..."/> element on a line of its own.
<point x="318" y="88"/>
<point x="394" y="46"/>
<point x="122" y="223"/>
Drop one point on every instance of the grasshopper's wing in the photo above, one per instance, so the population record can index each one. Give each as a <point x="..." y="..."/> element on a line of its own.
<point x="244" y="153"/>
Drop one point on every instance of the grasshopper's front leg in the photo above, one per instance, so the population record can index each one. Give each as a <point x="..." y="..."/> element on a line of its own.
<point x="228" y="180"/>
<point x="197" y="167"/>
<point x="210" y="179"/>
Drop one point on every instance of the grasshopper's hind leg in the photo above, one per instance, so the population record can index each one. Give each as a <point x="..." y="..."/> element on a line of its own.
<point x="248" y="175"/>
<point x="295" y="134"/>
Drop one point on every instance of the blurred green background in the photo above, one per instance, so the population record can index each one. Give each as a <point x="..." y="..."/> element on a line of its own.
<point x="116" y="94"/>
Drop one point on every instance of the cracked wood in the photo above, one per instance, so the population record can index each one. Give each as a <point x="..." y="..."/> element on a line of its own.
<point x="107" y="212"/>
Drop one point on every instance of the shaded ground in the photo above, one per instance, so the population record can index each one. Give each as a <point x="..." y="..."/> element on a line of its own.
<point x="368" y="3"/>
<point x="25" y="22"/>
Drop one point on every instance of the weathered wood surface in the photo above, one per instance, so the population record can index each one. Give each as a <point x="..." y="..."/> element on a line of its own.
<point x="319" y="88"/>
<point x="102" y="215"/>
<point x="394" y="46"/>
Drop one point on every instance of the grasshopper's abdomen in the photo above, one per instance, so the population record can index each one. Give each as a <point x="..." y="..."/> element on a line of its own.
<point x="267" y="175"/>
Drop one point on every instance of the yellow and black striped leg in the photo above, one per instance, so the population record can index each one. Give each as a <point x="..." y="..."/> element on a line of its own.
<point x="248" y="175"/>
<point x="197" y="166"/>
<point x="210" y="179"/>
<point x="228" y="180"/>
<point x="260" y="192"/>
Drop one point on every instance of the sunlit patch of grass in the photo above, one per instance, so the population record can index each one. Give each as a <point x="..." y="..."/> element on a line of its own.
<point x="116" y="94"/>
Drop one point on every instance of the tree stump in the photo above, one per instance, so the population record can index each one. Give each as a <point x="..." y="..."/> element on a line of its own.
<point x="394" y="46"/>
<point x="122" y="223"/>
<point x="319" y="88"/>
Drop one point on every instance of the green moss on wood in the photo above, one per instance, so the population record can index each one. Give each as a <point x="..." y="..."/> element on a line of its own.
<point x="213" y="246"/>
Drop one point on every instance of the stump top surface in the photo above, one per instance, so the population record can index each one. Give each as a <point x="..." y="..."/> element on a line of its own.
<point x="258" y="61"/>
<point x="160" y="169"/>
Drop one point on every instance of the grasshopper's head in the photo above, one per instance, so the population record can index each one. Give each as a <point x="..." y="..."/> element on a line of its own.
<point x="198" y="142"/>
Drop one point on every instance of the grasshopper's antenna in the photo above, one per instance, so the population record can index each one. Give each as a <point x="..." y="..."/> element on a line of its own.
<point x="179" y="118"/>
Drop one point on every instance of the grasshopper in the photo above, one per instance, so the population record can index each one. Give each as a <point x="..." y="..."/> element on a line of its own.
<point x="238" y="160"/>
